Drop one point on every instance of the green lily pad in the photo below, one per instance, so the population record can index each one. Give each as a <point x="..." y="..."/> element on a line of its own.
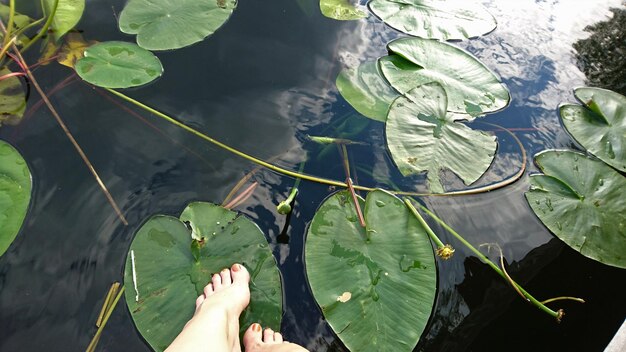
<point x="376" y="285"/>
<point x="600" y="125"/>
<point x="12" y="99"/>
<point x="169" y="279"/>
<point x="470" y="85"/>
<point x="435" y="19"/>
<point x="341" y="10"/>
<point x="19" y="21"/>
<point x="118" y="65"/>
<point x="67" y="15"/>
<point x="15" y="186"/>
<point x="423" y="136"/>
<point x="173" y="24"/>
<point x="366" y="90"/>
<point x="581" y="200"/>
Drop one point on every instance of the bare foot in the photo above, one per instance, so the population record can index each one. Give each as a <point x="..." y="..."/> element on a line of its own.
<point x="258" y="340"/>
<point x="215" y="324"/>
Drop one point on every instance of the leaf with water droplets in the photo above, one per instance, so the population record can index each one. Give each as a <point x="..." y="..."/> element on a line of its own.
<point x="599" y="125"/>
<point x="583" y="208"/>
<point x="388" y="269"/>
<point x="170" y="275"/>
<point x="118" y="65"/>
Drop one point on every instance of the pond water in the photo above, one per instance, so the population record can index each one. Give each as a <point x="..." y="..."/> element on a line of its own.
<point x="261" y="84"/>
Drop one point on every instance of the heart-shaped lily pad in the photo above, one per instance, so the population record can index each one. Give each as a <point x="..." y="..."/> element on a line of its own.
<point x="600" y="125"/>
<point x="118" y="65"/>
<point x="470" y="85"/>
<point x="581" y="200"/>
<point x="168" y="277"/>
<point x="423" y="136"/>
<point x="435" y="19"/>
<point x="173" y="24"/>
<point x="375" y="285"/>
<point x="15" y="186"/>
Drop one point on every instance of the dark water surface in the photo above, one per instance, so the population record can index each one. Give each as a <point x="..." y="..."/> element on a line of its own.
<point x="261" y="84"/>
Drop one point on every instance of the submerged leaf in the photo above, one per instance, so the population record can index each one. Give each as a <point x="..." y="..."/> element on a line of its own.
<point x="467" y="81"/>
<point x="73" y="49"/>
<point x="67" y="15"/>
<point x="169" y="275"/>
<point x="118" y="65"/>
<point x="366" y="90"/>
<point x="12" y="99"/>
<point x="173" y="24"/>
<point x="435" y="19"/>
<point x="600" y="125"/>
<point x="341" y="10"/>
<point x="423" y="136"/>
<point x="15" y="186"/>
<point x="375" y="285"/>
<point x="581" y="200"/>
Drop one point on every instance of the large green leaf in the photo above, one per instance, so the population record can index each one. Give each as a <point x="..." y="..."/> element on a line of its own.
<point x="581" y="200"/>
<point x="375" y="285"/>
<point x="118" y="65"/>
<point x="469" y="83"/>
<point x="341" y="10"/>
<point x="12" y="99"/>
<point x="366" y="90"/>
<point x="435" y="19"/>
<point x="67" y="15"/>
<point x="15" y="186"/>
<point x="168" y="278"/>
<point x="173" y="24"/>
<point x="600" y="125"/>
<point x="423" y="136"/>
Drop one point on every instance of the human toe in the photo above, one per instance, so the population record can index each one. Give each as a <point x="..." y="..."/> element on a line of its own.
<point x="239" y="274"/>
<point x="268" y="335"/>
<point x="225" y="276"/>
<point x="253" y="336"/>
<point x="216" y="279"/>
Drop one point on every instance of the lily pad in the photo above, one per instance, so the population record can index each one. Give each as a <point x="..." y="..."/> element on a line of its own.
<point x="470" y="85"/>
<point x="341" y="10"/>
<point x="366" y="90"/>
<point x="12" y="99"/>
<point x="19" y="21"/>
<point x="169" y="278"/>
<point x="376" y="285"/>
<point x="173" y="24"/>
<point x="15" y="187"/>
<point x="581" y="200"/>
<point x="600" y="125"/>
<point x="67" y="15"/>
<point x="435" y="19"/>
<point x="423" y="136"/>
<point x="118" y="65"/>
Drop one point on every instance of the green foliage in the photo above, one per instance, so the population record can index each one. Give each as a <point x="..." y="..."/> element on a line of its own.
<point x="169" y="277"/>
<point x="423" y="136"/>
<point x="67" y="15"/>
<point x="15" y="187"/>
<point x="581" y="200"/>
<point x="19" y="22"/>
<point x="600" y="125"/>
<point x="341" y="10"/>
<point x="173" y="24"/>
<point x="375" y="285"/>
<point x="12" y="99"/>
<point x="366" y="90"/>
<point x="118" y="65"/>
<point x="435" y="19"/>
<point x="469" y="84"/>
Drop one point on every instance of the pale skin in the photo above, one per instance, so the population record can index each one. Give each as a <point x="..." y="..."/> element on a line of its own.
<point x="214" y="326"/>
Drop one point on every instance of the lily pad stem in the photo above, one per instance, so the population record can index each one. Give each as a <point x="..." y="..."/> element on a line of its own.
<point x="557" y="315"/>
<point x="110" y="308"/>
<point x="45" y="27"/>
<point x="284" y="207"/>
<point x="9" y="31"/>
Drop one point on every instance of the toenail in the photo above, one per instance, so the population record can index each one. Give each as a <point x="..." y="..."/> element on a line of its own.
<point x="256" y="327"/>
<point x="236" y="267"/>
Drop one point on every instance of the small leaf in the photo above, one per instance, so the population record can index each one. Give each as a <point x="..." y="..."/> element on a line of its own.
<point x="169" y="278"/>
<point x="15" y="187"/>
<point x="435" y="19"/>
<point x="67" y="15"/>
<point x="341" y="10"/>
<point x="118" y="65"/>
<point x="581" y="200"/>
<point x="73" y="49"/>
<point x="376" y="285"/>
<point x="173" y="24"/>
<point x="19" y="21"/>
<point x="12" y="99"/>
<point x="366" y="90"/>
